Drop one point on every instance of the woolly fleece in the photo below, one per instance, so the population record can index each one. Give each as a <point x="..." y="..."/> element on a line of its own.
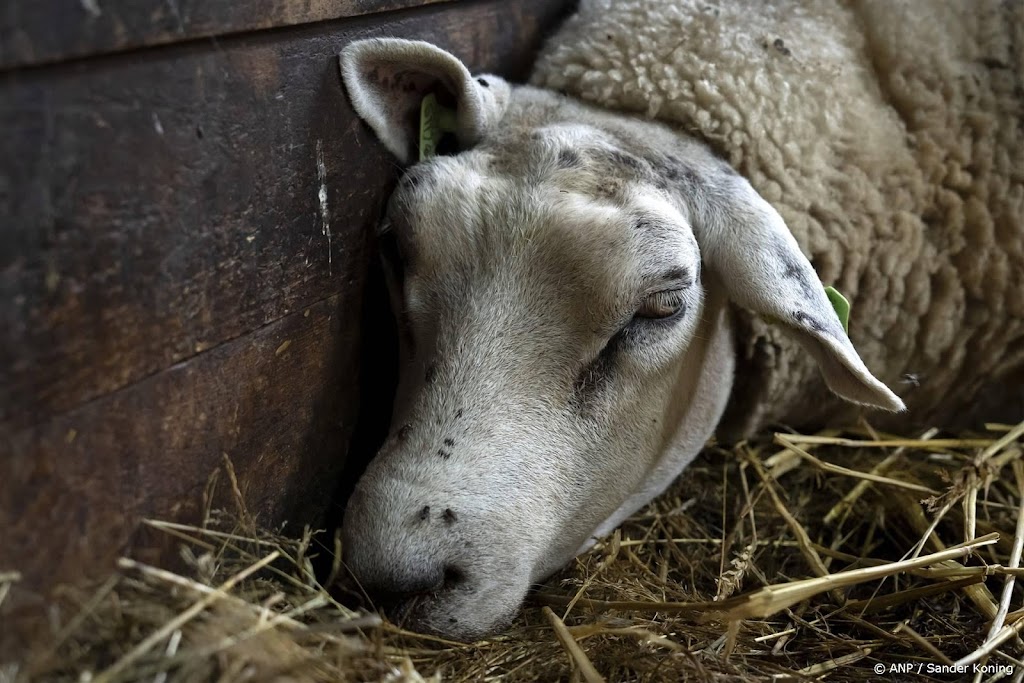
<point x="889" y="135"/>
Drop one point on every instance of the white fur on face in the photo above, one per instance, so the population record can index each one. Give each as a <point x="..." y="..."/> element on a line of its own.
<point x="532" y="402"/>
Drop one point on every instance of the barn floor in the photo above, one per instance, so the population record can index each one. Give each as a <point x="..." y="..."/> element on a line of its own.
<point x="708" y="583"/>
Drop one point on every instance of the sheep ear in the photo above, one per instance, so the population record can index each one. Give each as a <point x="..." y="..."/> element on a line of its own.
<point x="745" y="241"/>
<point x="387" y="79"/>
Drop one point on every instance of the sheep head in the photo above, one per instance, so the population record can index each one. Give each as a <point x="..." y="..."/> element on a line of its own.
<point x="561" y="282"/>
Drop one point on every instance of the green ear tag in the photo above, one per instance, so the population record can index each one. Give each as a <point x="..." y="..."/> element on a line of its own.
<point x="435" y="121"/>
<point x="841" y="306"/>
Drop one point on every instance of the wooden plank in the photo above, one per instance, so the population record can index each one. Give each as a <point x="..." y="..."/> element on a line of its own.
<point x="46" y="31"/>
<point x="156" y="207"/>
<point x="278" y="402"/>
<point x="160" y="241"/>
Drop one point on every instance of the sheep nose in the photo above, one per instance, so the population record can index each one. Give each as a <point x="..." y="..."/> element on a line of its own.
<point x="390" y="572"/>
<point x="393" y="590"/>
<point x="399" y="551"/>
<point x="392" y="586"/>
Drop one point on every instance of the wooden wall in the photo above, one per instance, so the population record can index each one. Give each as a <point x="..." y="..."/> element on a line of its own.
<point x="170" y="290"/>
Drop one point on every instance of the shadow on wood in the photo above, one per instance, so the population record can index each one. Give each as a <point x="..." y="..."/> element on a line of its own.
<point x="173" y="290"/>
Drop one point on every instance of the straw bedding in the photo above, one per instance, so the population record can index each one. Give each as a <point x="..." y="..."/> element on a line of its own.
<point x="789" y="557"/>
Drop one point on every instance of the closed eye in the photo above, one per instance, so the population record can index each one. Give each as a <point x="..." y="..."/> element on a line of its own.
<point x="660" y="309"/>
<point x="662" y="305"/>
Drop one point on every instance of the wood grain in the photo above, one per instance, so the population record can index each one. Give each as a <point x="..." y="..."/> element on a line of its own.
<point x="156" y="208"/>
<point x="170" y="293"/>
<point x="46" y="31"/>
<point x="278" y="402"/>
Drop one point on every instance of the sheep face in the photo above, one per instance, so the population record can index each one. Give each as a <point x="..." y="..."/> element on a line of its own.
<point x="560" y="286"/>
<point x="544" y="331"/>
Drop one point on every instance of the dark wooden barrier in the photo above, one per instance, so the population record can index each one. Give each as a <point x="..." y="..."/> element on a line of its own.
<point x="171" y="289"/>
<point x="52" y="30"/>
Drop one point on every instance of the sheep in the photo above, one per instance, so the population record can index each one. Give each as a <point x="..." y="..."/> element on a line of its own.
<point x="626" y="256"/>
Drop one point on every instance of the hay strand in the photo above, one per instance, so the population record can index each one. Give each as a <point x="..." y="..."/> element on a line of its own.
<point x="923" y="643"/>
<point x="847" y="472"/>
<point x="572" y="648"/>
<point x="176" y="623"/>
<point x="829" y="572"/>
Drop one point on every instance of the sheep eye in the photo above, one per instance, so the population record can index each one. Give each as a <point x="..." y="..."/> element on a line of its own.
<point x="663" y="304"/>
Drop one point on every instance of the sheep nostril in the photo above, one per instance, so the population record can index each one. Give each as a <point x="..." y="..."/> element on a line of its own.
<point x="398" y="602"/>
<point x="453" y="577"/>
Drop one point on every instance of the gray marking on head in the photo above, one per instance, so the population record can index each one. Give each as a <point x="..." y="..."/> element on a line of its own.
<point x="654" y="229"/>
<point x="623" y="160"/>
<point x="808" y="321"/>
<point x="680" y="275"/>
<point x="449" y="516"/>
<point x="594" y="377"/>
<point x="672" y="172"/>
<point x="569" y="158"/>
<point x="608" y="188"/>
<point x="795" y="271"/>
<point x="610" y="168"/>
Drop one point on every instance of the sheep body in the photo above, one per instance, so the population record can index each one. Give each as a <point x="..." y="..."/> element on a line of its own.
<point x="576" y="287"/>
<point x="887" y="135"/>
